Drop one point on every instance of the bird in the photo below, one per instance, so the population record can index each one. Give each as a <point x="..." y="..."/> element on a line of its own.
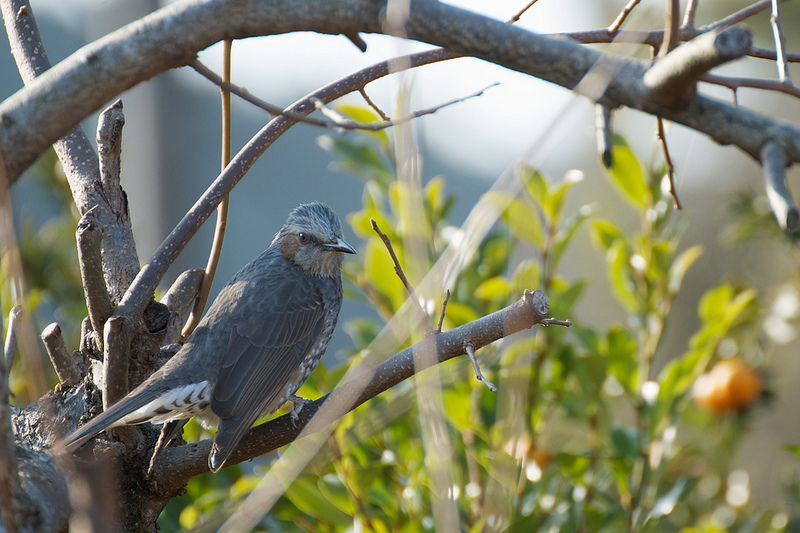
<point x="256" y="345"/>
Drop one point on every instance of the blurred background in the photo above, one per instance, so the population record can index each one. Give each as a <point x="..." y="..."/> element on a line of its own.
<point x="172" y="136"/>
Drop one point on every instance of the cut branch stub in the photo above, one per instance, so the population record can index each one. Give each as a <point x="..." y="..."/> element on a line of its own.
<point x="671" y="80"/>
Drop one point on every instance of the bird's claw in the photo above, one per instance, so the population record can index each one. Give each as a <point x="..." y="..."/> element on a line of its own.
<point x="297" y="405"/>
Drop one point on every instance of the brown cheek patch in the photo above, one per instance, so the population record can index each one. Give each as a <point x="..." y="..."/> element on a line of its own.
<point x="289" y="247"/>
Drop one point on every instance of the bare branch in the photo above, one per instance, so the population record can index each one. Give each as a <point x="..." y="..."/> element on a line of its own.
<point x="754" y="83"/>
<point x="222" y="209"/>
<point x="140" y="291"/>
<point x="444" y="308"/>
<point x="521" y="12"/>
<point x="37" y="115"/>
<point x="671" y="80"/>
<point x="335" y="121"/>
<point x="739" y="16"/>
<point x="423" y="316"/>
<point x="63" y="361"/>
<point x="89" y="236"/>
<point x="780" y="43"/>
<point x="9" y="476"/>
<point x="662" y="136"/>
<point x="773" y="163"/>
<point x="475" y="366"/>
<point x="670" y="40"/>
<point x="372" y="104"/>
<point x="617" y="24"/>
<point x="175" y="465"/>
<point x="689" y="14"/>
<point x="603" y="128"/>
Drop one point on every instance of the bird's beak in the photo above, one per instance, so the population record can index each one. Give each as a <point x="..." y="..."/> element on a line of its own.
<point x="340" y="246"/>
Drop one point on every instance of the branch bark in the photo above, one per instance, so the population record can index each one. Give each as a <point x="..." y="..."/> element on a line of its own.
<point x="36" y="116"/>
<point x="176" y="465"/>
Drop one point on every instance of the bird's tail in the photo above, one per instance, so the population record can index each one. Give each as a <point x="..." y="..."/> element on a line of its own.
<point x="105" y="420"/>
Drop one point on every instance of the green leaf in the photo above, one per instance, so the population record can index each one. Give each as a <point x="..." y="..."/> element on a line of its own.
<point x="623" y="358"/>
<point x="495" y="288"/>
<point x="308" y="499"/>
<point x="605" y="234"/>
<point x="567" y="231"/>
<point x="627" y="174"/>
<point x="534" y="182"/>
<point x="680" y="266"/>
<point x="666" y="503"/>
<point x="621" y="276"/>
<point x="526" y="276"/>
<point x="365" y="115"/>
<point x="358" y="156"/>
<point x="522" y="218"/>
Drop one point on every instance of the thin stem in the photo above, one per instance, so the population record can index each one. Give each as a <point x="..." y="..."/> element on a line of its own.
<point x="222" y="209"/>
<point x="662" y="136"/>
<point x="780" y="43"/>
<point x="617" y="24"/>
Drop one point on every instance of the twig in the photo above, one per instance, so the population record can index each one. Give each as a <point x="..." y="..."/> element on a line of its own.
<point x="63" y="362"/>
<point x="444" y="308"/>
<point x="521" y="12"/>
<point x="739" y="16"/>
<point x="98" y="302"/>
<point x="780" y="43"/>
<point x="140" y="291"/>
<point x="662" y="136"/>
<point x="689" y="14"/>
<point x="604" y="133"/>
<point x="773" y="164"/>
<point x="671" y="23"/>
<point x="400" y="274"/>
<point x="753" y="83"/>
<point x="356" y="39"/>
<point x="671" y="80"/>
<point x="617" y="24"/>
<point x="177" y="464"/>
<point x="372" y="104"/>
<point x="12" y="337"/>
<point x="474" y="359"/>
<point x="339" y="124"/>
<point x="222" y="209"/>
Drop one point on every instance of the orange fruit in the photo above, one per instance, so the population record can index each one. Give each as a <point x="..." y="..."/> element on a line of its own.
<point x="731" y="385"/>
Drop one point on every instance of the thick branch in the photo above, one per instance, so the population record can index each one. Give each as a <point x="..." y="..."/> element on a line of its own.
<point x="75" y="151"/>
<point x="177" y="465"/>
<point x="89" y="236"/>
<point x="671" y="80"/>
<point x="37" y="115"/>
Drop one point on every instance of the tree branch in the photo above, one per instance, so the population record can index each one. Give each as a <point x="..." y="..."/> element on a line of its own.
<point x="671" y="80"/>
<point x="176" y="465"/>
<point x="142" y="287"/>
<point x="37" y="115"/>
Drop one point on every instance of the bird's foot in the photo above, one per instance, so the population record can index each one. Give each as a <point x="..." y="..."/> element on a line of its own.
<point x="297" y="405"/>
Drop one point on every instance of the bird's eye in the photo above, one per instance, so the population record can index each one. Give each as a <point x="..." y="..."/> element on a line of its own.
<point x="303" y="237"/>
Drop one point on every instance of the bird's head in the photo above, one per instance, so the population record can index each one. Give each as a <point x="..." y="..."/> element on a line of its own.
<point x="312" y="239"/>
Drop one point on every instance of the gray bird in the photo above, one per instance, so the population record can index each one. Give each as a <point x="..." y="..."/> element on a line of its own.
<point x="258" y="342"/>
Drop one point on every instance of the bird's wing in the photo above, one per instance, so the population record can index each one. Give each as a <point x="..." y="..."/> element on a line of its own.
<point x="268" y="341"/>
